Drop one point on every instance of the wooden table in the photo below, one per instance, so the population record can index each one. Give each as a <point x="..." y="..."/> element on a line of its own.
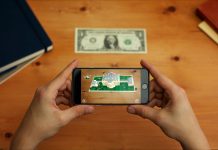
<point x="176" y="46"/>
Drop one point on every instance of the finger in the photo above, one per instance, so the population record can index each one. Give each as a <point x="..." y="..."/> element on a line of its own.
<point x="165" y="101"/>
<point x="60" y="93"/>
<point x="155" y="102"/>
<point x="69" y="87"/>
<point x="159" y="95"/>
<point x="166" y="95"/>
<point x="152" y="84"/>
<point x="155" y="87"/>
<point x="65" y="85"/>
<point x="76" y="111"/>
<point x="162" y="80"/>
<point x="143" y="111"/>
<point x="59" y="81"/>
<point x="151" y="96"/>
<point x="67" y="94"/>
<point x="62" y="100"/>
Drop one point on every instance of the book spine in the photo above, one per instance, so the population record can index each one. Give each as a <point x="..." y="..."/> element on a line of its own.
<point x="35" y="24"/>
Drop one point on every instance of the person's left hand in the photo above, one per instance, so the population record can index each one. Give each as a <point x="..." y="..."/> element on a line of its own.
<point x="44" y="118"/>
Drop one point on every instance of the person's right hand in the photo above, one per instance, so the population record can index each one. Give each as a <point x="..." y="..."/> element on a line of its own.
<point x="176" y="117"/>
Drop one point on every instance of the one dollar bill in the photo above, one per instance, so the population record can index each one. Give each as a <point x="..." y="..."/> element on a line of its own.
<point x="92" y="40"/>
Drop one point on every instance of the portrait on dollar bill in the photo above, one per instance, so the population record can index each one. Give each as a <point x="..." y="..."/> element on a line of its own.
<point x="111" y="42"/>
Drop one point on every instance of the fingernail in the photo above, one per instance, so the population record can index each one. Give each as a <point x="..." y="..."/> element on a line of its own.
<point x="131" y="110"/>
<point x="90" y="109"/>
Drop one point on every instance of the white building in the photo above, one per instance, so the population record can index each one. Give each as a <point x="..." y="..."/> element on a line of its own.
<point x="111" y="79"/>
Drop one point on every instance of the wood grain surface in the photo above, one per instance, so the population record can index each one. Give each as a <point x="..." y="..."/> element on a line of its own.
<point x="175" y="46"/>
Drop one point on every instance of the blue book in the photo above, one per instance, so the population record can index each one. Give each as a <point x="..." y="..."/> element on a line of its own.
<point x="22" y="37"/>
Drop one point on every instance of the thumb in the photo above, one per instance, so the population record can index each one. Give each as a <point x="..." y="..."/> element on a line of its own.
<point x="75" y="112"/>
<point x="143" y="111"/>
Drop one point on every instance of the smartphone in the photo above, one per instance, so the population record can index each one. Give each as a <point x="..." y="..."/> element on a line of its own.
<point x="110" y="86"/>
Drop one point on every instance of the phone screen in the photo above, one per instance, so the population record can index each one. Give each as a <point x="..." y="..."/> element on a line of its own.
<point x="113" y="86"/>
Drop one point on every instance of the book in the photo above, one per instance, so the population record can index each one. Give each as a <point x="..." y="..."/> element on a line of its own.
<point x="205" y="27"/>
<point x="4" y="76"/>
<point x="22" y="36"/>
<point x="208" y="12"/>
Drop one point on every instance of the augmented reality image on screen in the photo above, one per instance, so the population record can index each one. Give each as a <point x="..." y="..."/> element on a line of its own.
<point x="110" y="86"/>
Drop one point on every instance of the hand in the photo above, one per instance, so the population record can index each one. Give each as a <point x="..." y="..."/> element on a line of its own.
<point x="44" y="118"/>
<point x="175" y="116"/>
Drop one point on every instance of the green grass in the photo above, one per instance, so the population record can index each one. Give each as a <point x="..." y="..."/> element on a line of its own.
<point x="122" y="78"/>
<point x="97" y="78"/>
<point x="122" y="87"/>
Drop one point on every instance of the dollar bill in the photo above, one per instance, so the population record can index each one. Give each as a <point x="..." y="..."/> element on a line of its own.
<point x="92" y="40"/>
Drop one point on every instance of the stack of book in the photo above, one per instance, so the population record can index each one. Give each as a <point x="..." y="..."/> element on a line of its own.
<point x="22" y="38"/>
<point x="208" y="12"/>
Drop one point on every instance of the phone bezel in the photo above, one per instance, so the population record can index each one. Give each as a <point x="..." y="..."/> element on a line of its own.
<point x="76" y="87"/>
